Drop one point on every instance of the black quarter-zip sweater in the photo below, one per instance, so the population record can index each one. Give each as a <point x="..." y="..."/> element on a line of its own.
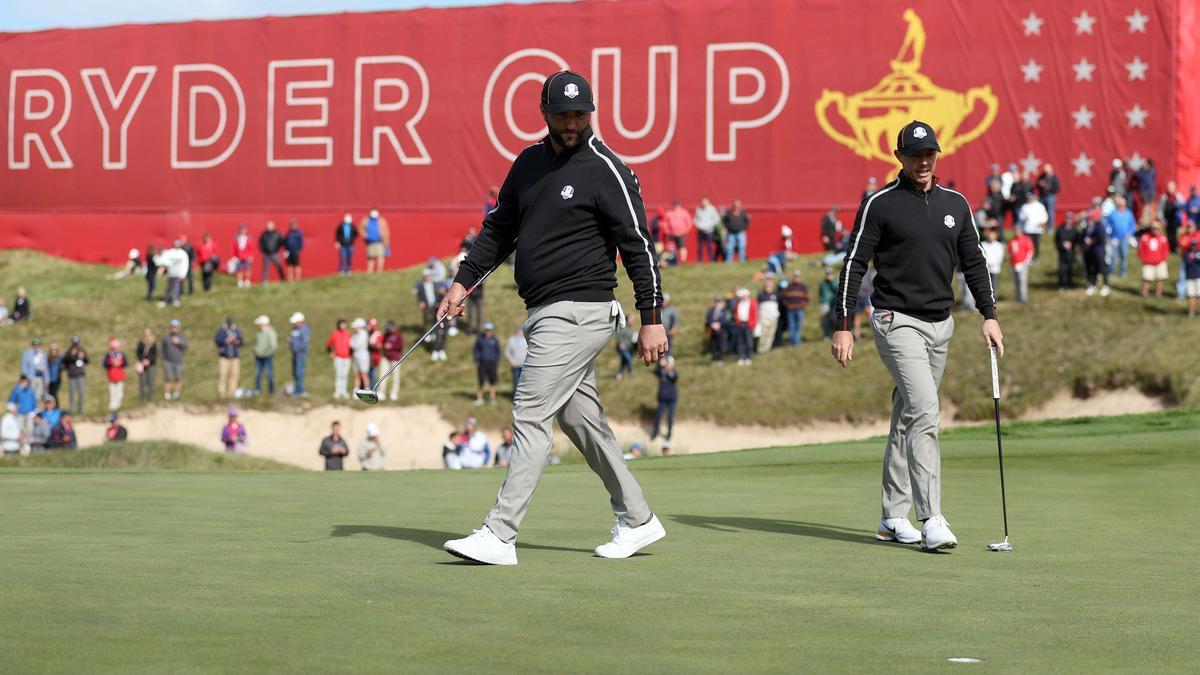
<point x="566" y="215"/>
<point x="916" y="239"/>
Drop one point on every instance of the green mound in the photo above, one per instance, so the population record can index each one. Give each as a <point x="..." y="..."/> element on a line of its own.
<point x="1058" y="342"/>
<point x="143" y="455"/>
<point x="769" y="565"/>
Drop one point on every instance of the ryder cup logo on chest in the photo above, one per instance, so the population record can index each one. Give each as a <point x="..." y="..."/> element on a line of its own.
<point x="920" y="132"/>
<point x="567" y="192"/>
<point x="571" y="90"/>
<point x="949" y="221"/>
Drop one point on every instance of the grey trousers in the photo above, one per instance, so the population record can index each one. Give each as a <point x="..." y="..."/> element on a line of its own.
<point x="914" y="352"/>
<point x="75" y="392"/>
<point x="559" y="381"/>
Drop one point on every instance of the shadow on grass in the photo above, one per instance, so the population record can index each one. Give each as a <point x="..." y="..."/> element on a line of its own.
<point x="431" y="538"/>
<point x="776" y="526"/>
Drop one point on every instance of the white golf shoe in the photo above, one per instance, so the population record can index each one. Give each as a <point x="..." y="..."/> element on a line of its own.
<point x="937" y="535"/>
<point x="629" y="540"/>
<point x="483" y="546"/>
<point x="897" y="530"/>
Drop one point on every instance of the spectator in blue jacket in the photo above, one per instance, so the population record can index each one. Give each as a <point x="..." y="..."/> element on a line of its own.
<point x="51" y="412"/>
<point x="229" y="342"/>
<point x="716" y="325"/>
<point x="22" y="396"/>
<point x="1120" y="225"/>
<point x="293" y="244"/>
<point x="668" y="395"/>
<point x="298" y="341"/>
<point x="487" y="356"/>
<point x="1147" y="181"/>
<point x="34" y="366"/>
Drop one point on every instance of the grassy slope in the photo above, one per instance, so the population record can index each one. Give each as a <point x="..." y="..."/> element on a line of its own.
<point x="143" y="455"/>
<point x="1057" y="342"/>
<point x="769" y="565"/>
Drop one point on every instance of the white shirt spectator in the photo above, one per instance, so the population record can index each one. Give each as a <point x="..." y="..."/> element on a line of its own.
<point x="175" y="260"/>
<point x="371" y="455"/>
<point x="515" y="350"/>
<point x="10" y="430"/>
<point x="1034" y="217"/>
<point x="475" y="451"/>
<point x="993" y="253"/>
<point x="437" y="271"/>
<point x="706" y="218"/>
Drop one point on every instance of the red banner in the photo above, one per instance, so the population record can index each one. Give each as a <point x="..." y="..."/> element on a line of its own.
<point x="115" y="136"/>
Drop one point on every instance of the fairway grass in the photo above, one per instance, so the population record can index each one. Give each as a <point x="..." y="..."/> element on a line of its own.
<point x="769" y="565"/>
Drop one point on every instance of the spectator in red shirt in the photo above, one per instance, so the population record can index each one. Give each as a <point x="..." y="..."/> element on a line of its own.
<point x="678" y="225"/>
<point x="243" y="252"/>
<point x="114" y="365"/>
<point x="1153" y="249"/>
<point x="745" y="320"/>
<point x="393" y="349"/>
<point x="338" y="346"/>
<point x="209" y="258"/>
<point x="1020" y="255"/>
<point x="374" y="348"/>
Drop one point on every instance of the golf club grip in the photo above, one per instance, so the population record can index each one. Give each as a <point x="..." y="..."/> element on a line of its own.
<point x="995" y="373"/>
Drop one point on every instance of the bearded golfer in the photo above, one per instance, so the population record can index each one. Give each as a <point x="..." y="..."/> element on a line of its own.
<point x="566" y="208"/>
<point x="916" y="232"/>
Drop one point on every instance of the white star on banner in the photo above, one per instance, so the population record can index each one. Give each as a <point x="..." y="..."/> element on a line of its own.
<point x="1033" y="71"/>
<point x="1137" y="69"/>
<point x="1031" y="163"/>
<point x="1137" y="22"/>
<point x="1031" y="119"/>
<point x="1083" y="165"/>
<point x="1137" y="117"/>
<point x="1083" y="117"/>
<point x="1033" y="24"/>
<point x="1084" y="70"/>
<point x="1084" y="23"/>
<point x="1137" y="161"/>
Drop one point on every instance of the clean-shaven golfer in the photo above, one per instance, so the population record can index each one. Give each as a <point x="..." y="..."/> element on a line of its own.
<point x="916" y="232"/>
<point x="567" y="206"/>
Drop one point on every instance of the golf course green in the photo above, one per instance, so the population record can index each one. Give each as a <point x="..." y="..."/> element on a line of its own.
<point x="769" y="565"/>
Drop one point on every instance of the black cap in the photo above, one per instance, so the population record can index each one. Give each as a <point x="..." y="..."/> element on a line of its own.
<point x="566" y="90"/>
<point x="915" y="137"/>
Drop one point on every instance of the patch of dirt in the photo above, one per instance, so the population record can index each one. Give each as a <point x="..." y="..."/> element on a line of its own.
<point x="413" y="435"/>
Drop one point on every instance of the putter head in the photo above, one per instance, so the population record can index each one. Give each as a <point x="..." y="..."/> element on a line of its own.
<point x="367" y="396"/>
<point x="1001" y="547"/>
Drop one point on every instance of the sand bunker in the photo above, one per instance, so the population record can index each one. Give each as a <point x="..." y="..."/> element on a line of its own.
<point x="413" y="435"/>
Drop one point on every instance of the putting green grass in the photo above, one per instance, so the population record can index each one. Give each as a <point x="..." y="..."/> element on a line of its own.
<point x="769" y="565"/>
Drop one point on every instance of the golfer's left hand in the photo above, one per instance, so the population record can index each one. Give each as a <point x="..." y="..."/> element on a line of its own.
<point x="652" y="343"/>
<point x="993" y="336"/>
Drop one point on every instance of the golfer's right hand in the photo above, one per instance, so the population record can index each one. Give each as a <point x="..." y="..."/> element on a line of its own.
<point x="452" y="302"/>
<point x="843" y="347"/>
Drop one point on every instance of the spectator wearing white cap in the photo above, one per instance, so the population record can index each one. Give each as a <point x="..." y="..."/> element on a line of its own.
<point x="174" y="345"/>
<point x="298" y="341"/>
<point x="486" y="354"/>
<point x="266" y="343"/>
<point x="371" y="454"/>
<point x="475" y="451"/>
<point x="360" y="353"/>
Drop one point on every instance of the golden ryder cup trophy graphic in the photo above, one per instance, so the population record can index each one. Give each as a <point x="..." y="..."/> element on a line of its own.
<point x="874" y="116"/>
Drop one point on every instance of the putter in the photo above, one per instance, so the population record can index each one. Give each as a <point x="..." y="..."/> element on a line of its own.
<point x="1002" y="546"/>
<point x="371" y="396"/>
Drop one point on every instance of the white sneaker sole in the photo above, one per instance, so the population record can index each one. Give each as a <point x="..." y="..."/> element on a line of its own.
<point x="885" y="535"/>
<point x="940" y="546"/>
<point x="477" y="558"/>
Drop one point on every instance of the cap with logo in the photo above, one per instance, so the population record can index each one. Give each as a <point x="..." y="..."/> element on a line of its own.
<point x="915" y="137"/>
<point x="566" y="90"/>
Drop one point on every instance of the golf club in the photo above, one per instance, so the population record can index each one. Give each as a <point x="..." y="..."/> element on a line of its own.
<point x="1002" y="546"/>
<point x="371" y="396"/>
